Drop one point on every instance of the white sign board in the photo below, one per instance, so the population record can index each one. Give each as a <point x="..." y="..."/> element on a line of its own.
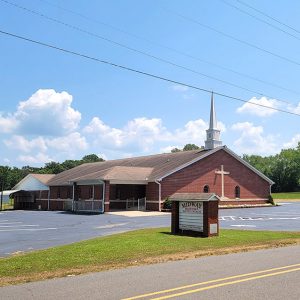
<point x="191" y="216"/>
<point x="213" y="228"/>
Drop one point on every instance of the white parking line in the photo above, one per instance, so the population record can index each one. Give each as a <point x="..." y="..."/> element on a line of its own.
<point x="243" y="225"/>
<point x="26" y="229"/>
<point x="6" y="226"/>
<point x="111" y="225"/>
<point x="11" y="223"/>
<point x="234" y="218"/>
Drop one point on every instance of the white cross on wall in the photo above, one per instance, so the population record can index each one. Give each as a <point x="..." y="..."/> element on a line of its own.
<point x="222" y="173"/>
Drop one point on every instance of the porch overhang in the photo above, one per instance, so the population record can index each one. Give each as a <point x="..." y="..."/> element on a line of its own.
<point x="86" y="181"/>
<point x="129" y="182"/>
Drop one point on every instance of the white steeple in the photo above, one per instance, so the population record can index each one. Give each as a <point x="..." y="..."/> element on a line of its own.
<point x="212" y="133"/>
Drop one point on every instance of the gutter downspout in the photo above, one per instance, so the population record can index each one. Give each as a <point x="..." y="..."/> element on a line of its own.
<point x="159" y="194"/>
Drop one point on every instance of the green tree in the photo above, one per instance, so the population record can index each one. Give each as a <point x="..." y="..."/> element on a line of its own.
<point x="282" y="168"/>
<point x="91" y="158"/>
<point x="189" y="147"/>
<point x="174" y="150"/>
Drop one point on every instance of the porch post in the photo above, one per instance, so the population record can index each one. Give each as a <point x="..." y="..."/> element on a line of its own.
<point x="74" y="195"/>
<point x="106" y="196"/>
<point x="93" y="197"/>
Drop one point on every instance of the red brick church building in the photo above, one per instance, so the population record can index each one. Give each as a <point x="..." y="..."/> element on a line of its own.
<point x="147" y="181"/>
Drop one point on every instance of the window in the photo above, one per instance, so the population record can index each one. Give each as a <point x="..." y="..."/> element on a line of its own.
<point x="68" y="193"/>
<point x="79" y="192"/>
<point x="206" y="189"/>
<point x="58" y="193"/>
<point x="237" y="192"/>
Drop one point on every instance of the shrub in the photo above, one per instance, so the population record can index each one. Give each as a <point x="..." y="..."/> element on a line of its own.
<point x="167" y="204"/>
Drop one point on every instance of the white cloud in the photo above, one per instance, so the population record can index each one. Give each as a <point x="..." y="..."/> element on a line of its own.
<point x="39" y="158"/>
<point x="7" y="124"/>
<point x="294" y="109"/>
<point x="143" y="134"/>
<point x="180" y="88"/>
<point x="69" y="143"/>
<point x="46" y="127"/>
<point x="259" y="110"/>
<point x="104" y="133"/>
<point x="252" y="140"/>
<point x="192" y="132"/>
<point x="46" y="112"/>
<point x="293" y="143"/>
<point x="139" y="133"/>
<point x="20" y="143"/>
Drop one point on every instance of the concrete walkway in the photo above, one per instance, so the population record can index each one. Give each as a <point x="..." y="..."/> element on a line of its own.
<point x="136" y="213"/>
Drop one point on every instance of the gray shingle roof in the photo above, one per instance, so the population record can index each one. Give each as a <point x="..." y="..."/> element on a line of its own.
<point x="160" y="164"/>
<point x="194" y="197"/>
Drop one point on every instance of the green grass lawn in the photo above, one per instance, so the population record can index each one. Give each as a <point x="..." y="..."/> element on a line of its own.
<point x="291" y="195"/>
<point x="131" y="248"/>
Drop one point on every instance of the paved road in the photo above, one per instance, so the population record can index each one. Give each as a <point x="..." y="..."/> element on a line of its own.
<point x="266" y="274"/>
<point x="31" y="230"/>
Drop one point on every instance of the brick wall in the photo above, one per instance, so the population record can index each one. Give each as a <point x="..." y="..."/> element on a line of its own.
<point x="61" y="192"/>
<point x="152" y="191"/>
<point x="194" y="177"/>
<point x="83" y="192"/>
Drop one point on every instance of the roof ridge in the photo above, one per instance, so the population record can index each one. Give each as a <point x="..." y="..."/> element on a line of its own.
<point x="144" y="156"/>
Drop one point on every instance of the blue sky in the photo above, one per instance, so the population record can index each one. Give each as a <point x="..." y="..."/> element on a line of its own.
<point x="55" y="106"/>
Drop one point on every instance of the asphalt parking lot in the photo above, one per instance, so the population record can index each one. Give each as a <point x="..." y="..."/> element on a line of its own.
<point x="32" y="230"/>
<point x="285" y="217"/>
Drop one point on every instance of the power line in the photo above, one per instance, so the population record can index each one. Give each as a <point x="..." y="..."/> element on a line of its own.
<point x="170" y="48"/>
<point x="139" y="51"/>
<point x="234" y="38"/>
<point x="141" y="72"/>
<point x="268" y="16"/>
<point x="259" y="19"/>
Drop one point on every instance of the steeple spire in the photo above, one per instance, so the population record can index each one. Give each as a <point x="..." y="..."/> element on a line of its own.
<point x="212" y="133"/>
<point x="213" y="118"/>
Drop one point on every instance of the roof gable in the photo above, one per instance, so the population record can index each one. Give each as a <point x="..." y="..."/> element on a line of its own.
<point x="34" y="182"/>
<point x="208" y="153"/>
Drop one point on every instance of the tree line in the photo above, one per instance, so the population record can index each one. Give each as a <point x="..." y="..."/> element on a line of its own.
<point x="282" y="168"/>
<point x="10" y="176"/>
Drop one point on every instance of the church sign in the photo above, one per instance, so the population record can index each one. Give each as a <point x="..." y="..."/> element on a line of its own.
<point x="191" y="215"/>
<point x="195" y="214"/>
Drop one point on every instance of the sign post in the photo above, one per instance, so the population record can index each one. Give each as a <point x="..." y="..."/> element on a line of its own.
<point x="195" y="214"/>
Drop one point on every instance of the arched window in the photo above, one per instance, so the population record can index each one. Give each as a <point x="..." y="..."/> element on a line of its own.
<point x="206" y="189"/>
<point x="237" y="192"/>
